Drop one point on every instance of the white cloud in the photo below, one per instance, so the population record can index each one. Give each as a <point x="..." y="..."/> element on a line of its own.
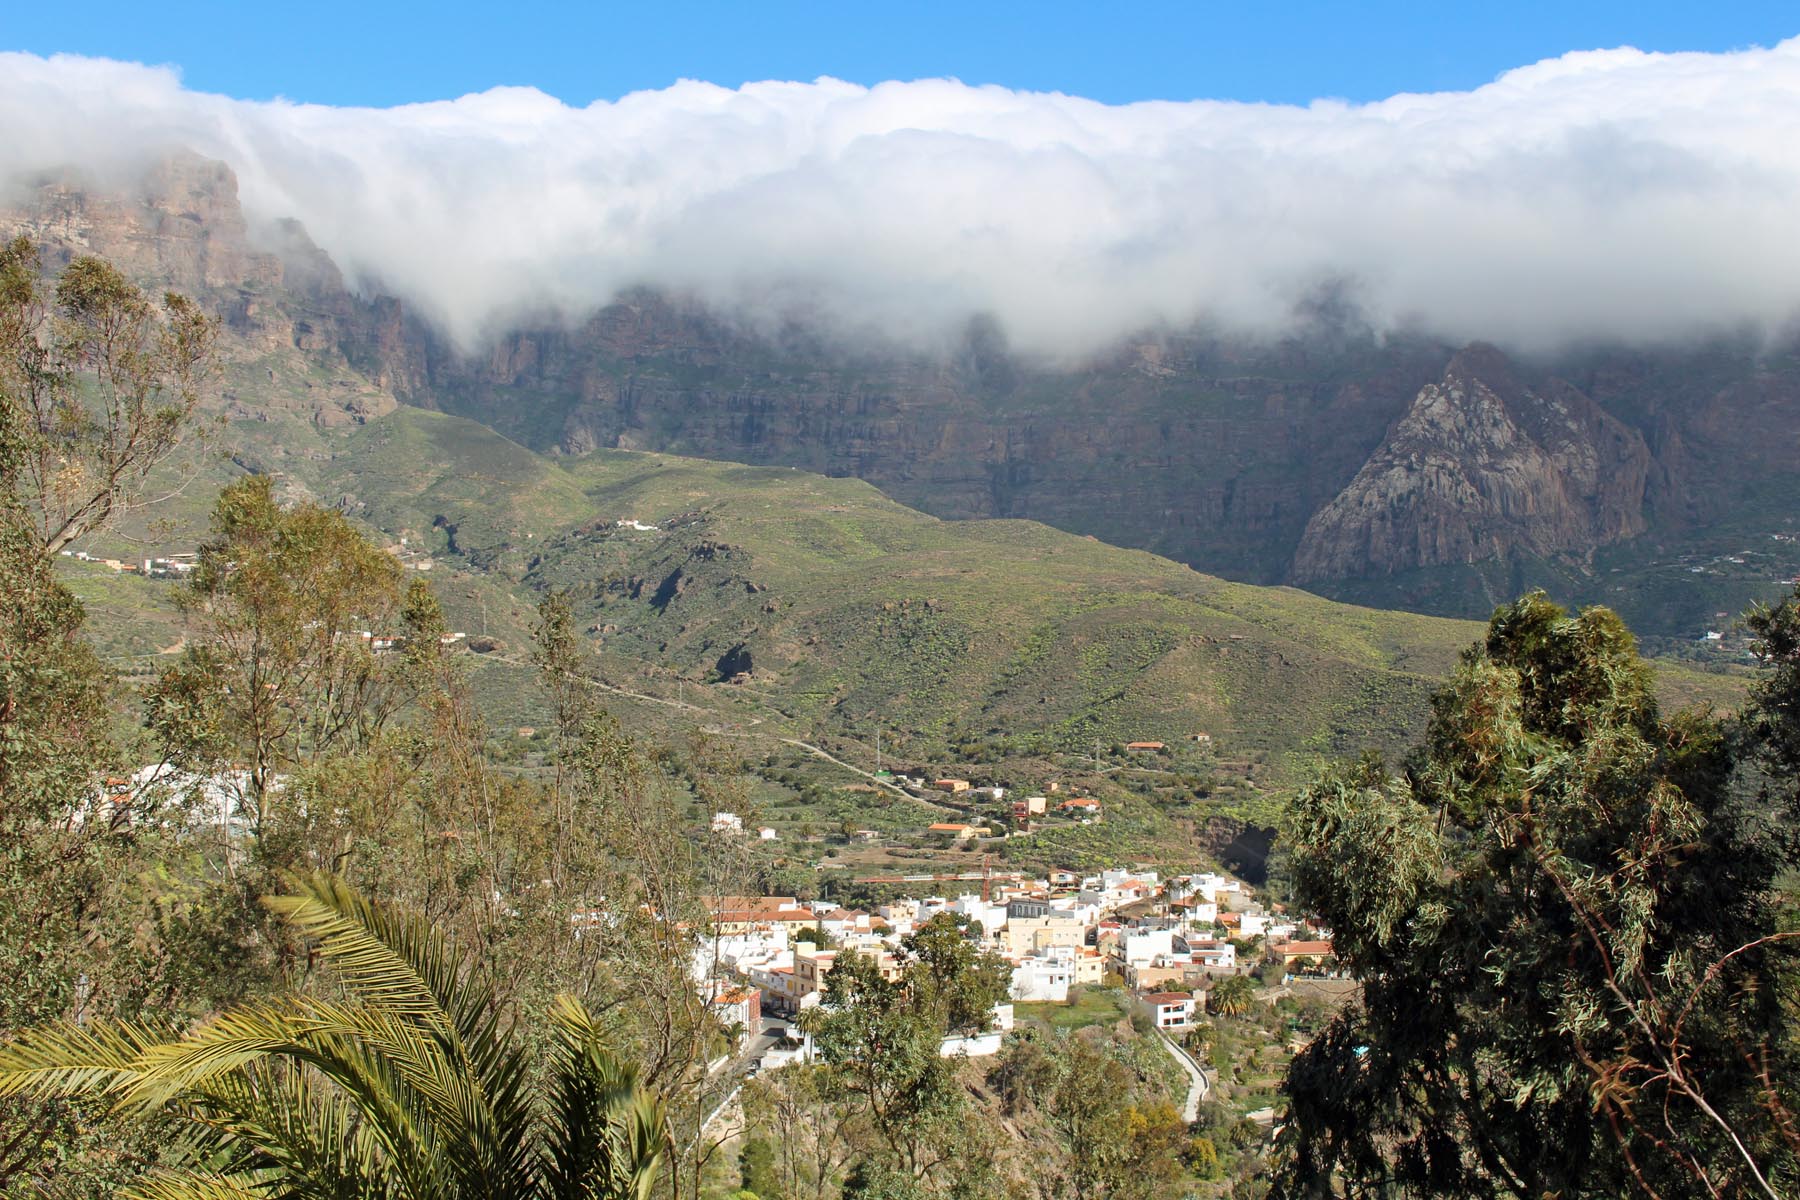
<point x="1603" y="194"/>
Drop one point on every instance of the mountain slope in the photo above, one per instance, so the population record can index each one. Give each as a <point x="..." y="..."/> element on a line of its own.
<point x="774" y="603"/>
<point x="1281" y="461"/>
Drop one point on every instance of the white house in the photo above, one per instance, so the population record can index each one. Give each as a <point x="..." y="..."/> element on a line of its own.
<point x="1043" y="977"/>
<point x="1170" y="1010"/>
<point x="1076" y="909"/>
<point x="794" y="1047"/>
<point x="1214" y="955"/>
<point x="981" y="1045"/>
<point x="988" y="915"/>
<point x="1196" y="912"/>
<point x="841" y="923"/>
<point x="1139" y="947"/>
<point x="195" y="802"/>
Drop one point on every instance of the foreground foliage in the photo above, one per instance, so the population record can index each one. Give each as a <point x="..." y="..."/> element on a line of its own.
<point x="1106" y="1135"/>
<point x="409" y="1087"/>
<point x="1564" y="913"/>
<point x="102" y="385"/>
<point x="881" y="1037"/>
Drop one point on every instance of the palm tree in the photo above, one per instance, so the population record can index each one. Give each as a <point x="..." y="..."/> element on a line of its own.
<point x="1230" y="997"/>
<point x="410" y="1088"/>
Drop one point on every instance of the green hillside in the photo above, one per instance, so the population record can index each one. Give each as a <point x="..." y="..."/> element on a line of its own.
<point x="802" y="606"/>
<point x="849" y="613"/>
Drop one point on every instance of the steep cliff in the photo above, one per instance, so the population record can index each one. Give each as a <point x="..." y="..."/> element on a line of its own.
<point x="1382" y="470"/>
<point x="288" y="318"/>
<point x="1483" y="468"/>
<point x="1210" y="451"/>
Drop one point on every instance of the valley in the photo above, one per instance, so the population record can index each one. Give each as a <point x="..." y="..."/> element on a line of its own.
<point x="584" y="637"/>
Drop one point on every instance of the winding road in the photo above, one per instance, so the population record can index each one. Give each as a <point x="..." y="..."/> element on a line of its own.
<point x="1198" y="1087"/>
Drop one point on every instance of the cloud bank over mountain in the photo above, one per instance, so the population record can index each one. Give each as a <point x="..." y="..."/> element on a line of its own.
<point x="1607" y="194"/>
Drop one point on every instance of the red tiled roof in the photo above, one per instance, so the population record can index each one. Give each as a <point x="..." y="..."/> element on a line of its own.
<point x="1316" y="949"/>
<point x="783" y="915"/>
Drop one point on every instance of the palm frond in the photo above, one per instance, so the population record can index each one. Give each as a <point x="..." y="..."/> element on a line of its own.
<point x="101" y="1057"/>
<point x="315" y="1142"/>
<point x="393" y="961"/>
<point x="409" y="1101"/>
<point x="399" y="963"/>
<point x="179" y="1186"/>
<point x="606" y="1136"/>
<point x="414" y="1087"/>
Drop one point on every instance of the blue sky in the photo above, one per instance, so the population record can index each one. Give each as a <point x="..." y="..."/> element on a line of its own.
<point x="332" y="52"/>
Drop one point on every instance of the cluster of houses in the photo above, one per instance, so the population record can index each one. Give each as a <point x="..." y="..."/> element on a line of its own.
<point x="181" y="565"/>
<point x="385" y="643"/>
<point x="732" y="825"/>
<point x="1022" y="813"/>
<point x="410" y="556"/>
<point x="175" y="566"/>
<point x="1165" y="940"/>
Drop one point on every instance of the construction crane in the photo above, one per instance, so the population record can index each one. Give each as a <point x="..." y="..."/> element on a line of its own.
<point x="986" y="875"/>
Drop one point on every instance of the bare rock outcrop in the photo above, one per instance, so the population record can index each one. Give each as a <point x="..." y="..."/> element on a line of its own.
<point x="1480" y="468"/>
<point x="288" y="316"/>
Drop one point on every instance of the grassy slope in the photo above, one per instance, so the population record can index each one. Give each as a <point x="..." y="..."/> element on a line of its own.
<point x="858" y="613"/>
<point x="976" y="641"/>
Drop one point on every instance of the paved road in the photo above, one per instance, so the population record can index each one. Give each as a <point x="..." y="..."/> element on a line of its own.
<point x="1198" y="1087"/>
<point x="737" y="1068"/>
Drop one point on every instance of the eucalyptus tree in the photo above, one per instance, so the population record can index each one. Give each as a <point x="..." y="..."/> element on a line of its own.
<point x="284" y="607"/>
<point x="881" y="1036"/>
<point x="1772" y="721"/>
<point x="103" y="385"/>
<point x="1564" y="912"/>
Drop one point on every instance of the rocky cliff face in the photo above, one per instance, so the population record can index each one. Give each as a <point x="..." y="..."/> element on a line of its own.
<point x="1482" y="468"/>
<point x="287" y="316"/>
<point x="181" y="229"/>
<point x="1327" y="458"/>
<point x="1202" y="450"/>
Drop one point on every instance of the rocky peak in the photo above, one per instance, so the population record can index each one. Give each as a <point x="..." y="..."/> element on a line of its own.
<point x="1483" y="467"/>
<point x="179" y="227"/>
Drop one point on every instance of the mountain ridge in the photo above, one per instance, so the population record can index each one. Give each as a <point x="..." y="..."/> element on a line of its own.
<point x="1266" y="462"/>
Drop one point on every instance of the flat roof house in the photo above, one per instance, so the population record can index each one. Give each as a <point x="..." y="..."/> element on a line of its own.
<point x="1170" y="1010"/>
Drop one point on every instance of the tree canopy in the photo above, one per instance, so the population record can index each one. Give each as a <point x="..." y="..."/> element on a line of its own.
<point x="1563" y="910"/>
<point x="102" y="387"/>
<point x="882" y="1038"/>
<point x="281" y="668"/>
